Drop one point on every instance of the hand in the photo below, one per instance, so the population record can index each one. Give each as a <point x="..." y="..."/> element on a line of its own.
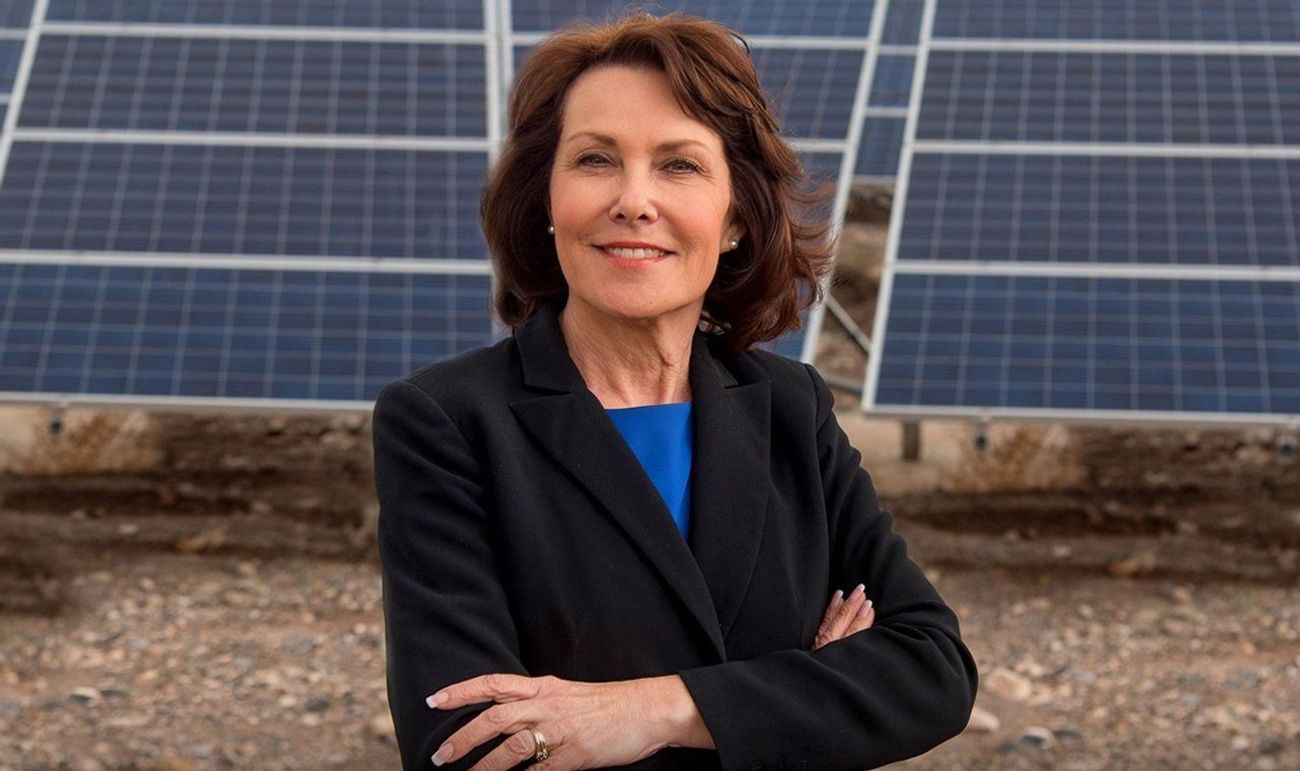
<point x="845" y="617"/>
<point x="585" y="725"/>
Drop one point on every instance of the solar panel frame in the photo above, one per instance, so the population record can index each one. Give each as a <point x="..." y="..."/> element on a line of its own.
<point x="899" y="272"/>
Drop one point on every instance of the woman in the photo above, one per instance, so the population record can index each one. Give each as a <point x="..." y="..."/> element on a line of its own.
<point x="609" y="539"/>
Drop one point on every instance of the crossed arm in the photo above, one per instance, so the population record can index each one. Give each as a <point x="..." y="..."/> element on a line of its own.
<point x="594" y="725"/>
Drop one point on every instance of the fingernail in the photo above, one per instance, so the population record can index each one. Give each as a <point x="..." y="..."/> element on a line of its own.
<point x="839" y="594"/>
<point x="866" y="607"/>
<point x="441" y="756"/>
<point x="860" y="589"/>
<point x="436" y="700"/>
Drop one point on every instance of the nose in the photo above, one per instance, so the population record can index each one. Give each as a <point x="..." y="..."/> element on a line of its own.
<point x="635" y="202"/>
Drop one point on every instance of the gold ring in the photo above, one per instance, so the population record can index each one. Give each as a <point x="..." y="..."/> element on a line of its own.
<point x="542" y="752"/>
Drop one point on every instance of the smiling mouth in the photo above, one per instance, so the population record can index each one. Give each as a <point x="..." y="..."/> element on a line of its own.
<point x="625" y="253"/>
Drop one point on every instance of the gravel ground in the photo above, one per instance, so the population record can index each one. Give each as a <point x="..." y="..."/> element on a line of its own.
<point x="206" y="660"/>
<point x="1144" y="622"/>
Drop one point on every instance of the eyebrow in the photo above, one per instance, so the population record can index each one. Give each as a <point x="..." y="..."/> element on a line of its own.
<point x="609" y="141"/>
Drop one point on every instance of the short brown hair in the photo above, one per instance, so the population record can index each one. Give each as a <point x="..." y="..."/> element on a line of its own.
<point x="760" y="288"/>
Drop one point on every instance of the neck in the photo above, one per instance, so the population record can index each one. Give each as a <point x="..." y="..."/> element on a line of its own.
<point x="630" y="362"/>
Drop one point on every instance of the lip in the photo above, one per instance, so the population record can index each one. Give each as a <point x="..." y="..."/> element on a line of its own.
<point x="633" y="262"/>
<point x="633" y="245"/>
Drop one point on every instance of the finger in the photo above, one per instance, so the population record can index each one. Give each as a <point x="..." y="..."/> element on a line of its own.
<point x="863" y="621"/>
<point x="498" y="720"/>
<point x="498" y="687"/>
<point x="838" y="618"/>
<point x="837" y="600"/>
<point x="518" y="747"/>
<point x="848" y="611"/>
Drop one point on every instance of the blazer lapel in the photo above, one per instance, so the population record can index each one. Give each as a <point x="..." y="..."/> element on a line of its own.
<point x="571" y="426"/>
<point x="730" y="478"/>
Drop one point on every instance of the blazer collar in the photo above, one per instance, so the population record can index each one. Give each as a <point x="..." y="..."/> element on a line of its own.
<point x="729" y="469"/>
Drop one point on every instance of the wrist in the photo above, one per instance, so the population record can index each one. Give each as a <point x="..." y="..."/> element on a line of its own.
<point x="683" y="726"/>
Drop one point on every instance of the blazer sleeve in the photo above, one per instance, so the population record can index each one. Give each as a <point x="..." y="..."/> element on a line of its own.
<point x="888" y="693"/>
<point x="446" y="614"/>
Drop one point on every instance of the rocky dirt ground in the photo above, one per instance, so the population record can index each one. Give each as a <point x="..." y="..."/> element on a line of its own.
<point x="189" y="592"/>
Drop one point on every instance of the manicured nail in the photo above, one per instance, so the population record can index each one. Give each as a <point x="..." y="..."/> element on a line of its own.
<point x="860" y="589"/>
<point x="442" y="755"/>
<point x="436" y="700"/>
<point x="866" y="607"/>
<point x="839" y="594"/>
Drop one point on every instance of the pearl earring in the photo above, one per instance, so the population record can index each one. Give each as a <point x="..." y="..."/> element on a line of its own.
<point x="550" y="229"/>
<point x="734" y="243"/>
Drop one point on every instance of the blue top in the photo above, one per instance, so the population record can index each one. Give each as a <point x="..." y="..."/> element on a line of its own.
<point x="661" y="438"/>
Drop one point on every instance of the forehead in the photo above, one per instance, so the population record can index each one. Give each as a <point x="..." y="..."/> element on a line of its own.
<point x="632" y="105"/>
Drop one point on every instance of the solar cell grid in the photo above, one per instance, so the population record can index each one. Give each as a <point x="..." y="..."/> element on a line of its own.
<point x="880" y="147"/>
<point x="229" y="334"/>
<point x="1087" y="209"/>
<point x="1092" y="344"/>
<point x="848" y="18"/>
<point x="242" y="200"/>
<point x="413" y="14"/>
<point x="892" y="84"/>
<point x="903" y="22"/>
<point x="1194" y="20"/>
<point x="10" y="52"/>
<point x="811" y="90"/>
<point x="15" y="13"/>
<point x="205" y="84"/>
<point x="1092" y="97"/>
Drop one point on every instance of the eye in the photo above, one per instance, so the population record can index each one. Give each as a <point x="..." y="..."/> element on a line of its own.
<point x="593" y="159"/>
<point x="683" y="166"/>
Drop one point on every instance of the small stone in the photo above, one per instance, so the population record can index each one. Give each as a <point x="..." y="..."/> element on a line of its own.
<point x="983" y="722"/>
<point x="311" y="719"/>
<point x="208" y="540"/>
<point x="1009" y="685"/>
<point x="128" y="529"/>
<point x="318" y="704"/>
<point x="1240" y="743"/>
<point x="87" y="695"/>
<point x="1272" y="745"/>
<point x="1038" y="736"/>
<point x="1136" y="564"/>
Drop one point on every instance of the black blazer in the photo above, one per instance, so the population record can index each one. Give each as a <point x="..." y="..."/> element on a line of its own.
<point x="519" y="533"/>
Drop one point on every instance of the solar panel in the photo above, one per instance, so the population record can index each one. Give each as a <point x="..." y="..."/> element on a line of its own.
<point x="404" y="14"/>
<point x="1058" y="343"/>
<point x="841" y="18"/>
<point x="208" y="334"/>
<point x="15" y="13"/>
<point x="810" y="89"/>
<point x="294" y="86"/>
<point x="1197" y="20"/>
<point x="10" y="51"/>
<point x="1098" y="216"/>
<point x="1050" y="96"/>
<point x="1102" y="209"/>
<point x="215" y="199"/>
<point x="892" y="84"/>
<point x="903" y="22"/>
<point x="882" y="141"/>
<point x="234" y="201"/>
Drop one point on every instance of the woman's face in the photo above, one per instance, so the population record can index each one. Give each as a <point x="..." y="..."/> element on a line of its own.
<point x="640" y="198"/>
